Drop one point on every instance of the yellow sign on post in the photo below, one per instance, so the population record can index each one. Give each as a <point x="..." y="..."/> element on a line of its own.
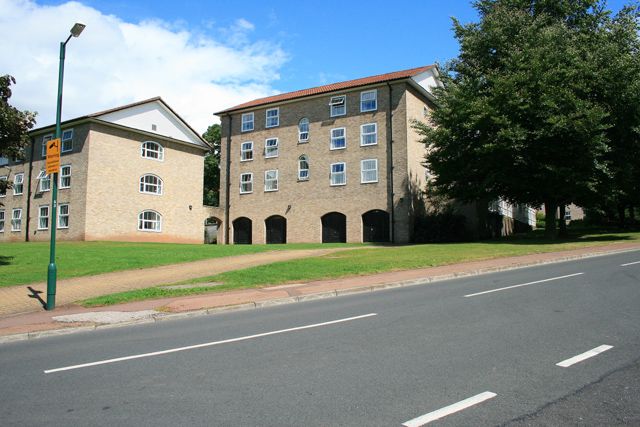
<point x="53" y="156"/>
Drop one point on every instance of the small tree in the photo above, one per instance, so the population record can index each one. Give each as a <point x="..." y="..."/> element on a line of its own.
<point x="211" y="166"/>
<point x="14" y="125"/>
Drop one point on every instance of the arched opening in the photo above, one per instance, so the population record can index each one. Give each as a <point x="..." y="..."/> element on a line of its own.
<point x="375" y="226"/>
<point x="211" y="227"/>
<point x="242" y="231"/>
<point x="276" y="227"/>
<point x="334" y="228"/>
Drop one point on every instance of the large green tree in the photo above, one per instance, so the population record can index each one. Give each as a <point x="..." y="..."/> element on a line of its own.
<point x="618" y="89"/>
<point x="518" y="116"/>
<point x="211" y="166"/>
<point x="14" y="125"/>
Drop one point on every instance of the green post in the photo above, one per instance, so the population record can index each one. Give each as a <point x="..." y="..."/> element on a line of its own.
<point x="52" y="271"/>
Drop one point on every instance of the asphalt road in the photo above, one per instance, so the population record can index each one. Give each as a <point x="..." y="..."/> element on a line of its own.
<point x="386" y="358"/>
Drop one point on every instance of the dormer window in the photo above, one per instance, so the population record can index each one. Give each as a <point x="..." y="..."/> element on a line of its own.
<point x="338" y="105"/>
<point x="152" y="150"/>
<point x="272" y="117"/>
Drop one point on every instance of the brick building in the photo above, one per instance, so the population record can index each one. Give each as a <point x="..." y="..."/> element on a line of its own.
<point x="133" y="173"/>
<point x="335" y="163"/>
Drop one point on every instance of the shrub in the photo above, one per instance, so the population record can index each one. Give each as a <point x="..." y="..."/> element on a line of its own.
<point x="440" y="227"/>
<point x="540" y="219"/>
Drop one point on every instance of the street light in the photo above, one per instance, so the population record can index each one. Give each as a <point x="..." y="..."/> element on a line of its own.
<point x="52" y="271"/>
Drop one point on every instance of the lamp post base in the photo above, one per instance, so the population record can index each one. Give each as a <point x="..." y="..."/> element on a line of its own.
<point x="51" y="286"/>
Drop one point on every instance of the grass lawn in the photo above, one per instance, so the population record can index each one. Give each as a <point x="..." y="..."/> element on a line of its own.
<point x="22" y="262"/>
<point x="369" y="261"/>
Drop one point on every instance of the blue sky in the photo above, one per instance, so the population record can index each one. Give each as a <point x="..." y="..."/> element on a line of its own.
<point x="204" y="56"/>
<point x="326" y="41"/>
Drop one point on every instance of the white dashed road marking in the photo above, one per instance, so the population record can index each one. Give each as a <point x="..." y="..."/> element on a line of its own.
<point x="207" y="344"/>
<point x="584" y="356"/>
<point x="523" y="284"/>
<point x="448" y="410"/>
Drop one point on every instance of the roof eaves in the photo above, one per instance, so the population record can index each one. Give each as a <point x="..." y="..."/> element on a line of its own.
<point x="333" y="87"/>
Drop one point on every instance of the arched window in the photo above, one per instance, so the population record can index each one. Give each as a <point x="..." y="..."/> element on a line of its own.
<point x="152" y="150"/>
<point x="150" y="221"/>
<point x="303" y="168"/>
<point x="303" y="130"/>
<point x="150" y="184"/>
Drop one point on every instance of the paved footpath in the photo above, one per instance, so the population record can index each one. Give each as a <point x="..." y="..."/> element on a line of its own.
<point x="68" y="318"/>
<point x="22" y="299"/>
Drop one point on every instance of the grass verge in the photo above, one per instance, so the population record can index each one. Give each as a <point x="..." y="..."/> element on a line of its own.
<point x="369" y="261"/>
<point x="22" y="263"/>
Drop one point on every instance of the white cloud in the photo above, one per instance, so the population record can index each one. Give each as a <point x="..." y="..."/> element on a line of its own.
<point x="115" y="62"/>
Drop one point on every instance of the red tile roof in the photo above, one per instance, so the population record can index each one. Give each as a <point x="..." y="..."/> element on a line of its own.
<point x="381" y="78"/>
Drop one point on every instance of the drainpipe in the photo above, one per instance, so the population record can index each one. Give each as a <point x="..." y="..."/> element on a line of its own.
<point x="228" y="185"/>
<point x="33" y="149"/>
<point x="390" y="164"/>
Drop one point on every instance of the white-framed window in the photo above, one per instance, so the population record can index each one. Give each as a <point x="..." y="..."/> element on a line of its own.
<point x="3" y="193"/>
<point x="43" y="218"/>
<point x="271" y="180"/>
<point x="150" y="221"/>
<point x="368" y="171"/>
<point x="18" y="184"/>
<point x="44" y="183"/>
<point x="369" y="100"/>
<point x="303" y="130"/>
<point x="151" y="184"/>
<point x="272" y="118"/>
<point x="44" y="144"/>
<point x="16" y="219"/>
<point x="369" y="134"/>
<point x="63" y="215"/>
<point x="338" y="139"/>
<point x="246" y="183"/>
<point x="246" y="151"/>
<point x="247" y="122"/>
<point x="271" y="147"/>
<point x="152" y="150"/>
<point x="338" y="105"/>
<point x="303" y="168"/>
<point x="1" y="220"/>
<point x="65" y="176"/>
<point x="67" y="141"/>
<point x="338" y="173"/>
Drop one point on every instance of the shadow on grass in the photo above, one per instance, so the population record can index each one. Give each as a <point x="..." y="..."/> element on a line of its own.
<point x="5" y="260"/>
<point x="575" y="236"/>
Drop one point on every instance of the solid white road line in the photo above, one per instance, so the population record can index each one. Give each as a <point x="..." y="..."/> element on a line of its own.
<point x="448" y="410"/>
<point x="208" y="344"/>
<point x="583" y="356"/>
<point x="629" y="263"/>
<point x="523" y="284"/>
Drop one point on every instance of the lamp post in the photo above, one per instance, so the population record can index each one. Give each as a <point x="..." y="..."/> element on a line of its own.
<point x="52" y="271"/>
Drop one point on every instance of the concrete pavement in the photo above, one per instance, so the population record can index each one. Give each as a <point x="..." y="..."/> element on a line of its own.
<point x="42" y="323"/>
